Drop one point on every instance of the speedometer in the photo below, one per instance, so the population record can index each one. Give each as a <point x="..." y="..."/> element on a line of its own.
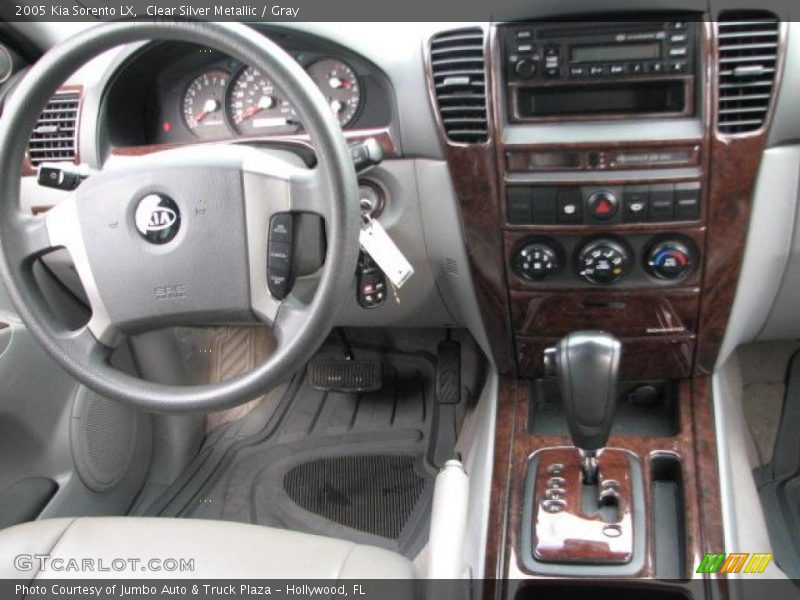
<point x="339" y="85"/>
<point x="255" y="106"/>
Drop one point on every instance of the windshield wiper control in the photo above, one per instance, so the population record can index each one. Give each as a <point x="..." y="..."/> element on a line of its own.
<point x="54" y="175"/>
<point x="366" y="154"/>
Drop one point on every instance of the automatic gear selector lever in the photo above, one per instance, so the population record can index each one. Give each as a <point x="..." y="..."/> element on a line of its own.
<point x="586" y="364"/>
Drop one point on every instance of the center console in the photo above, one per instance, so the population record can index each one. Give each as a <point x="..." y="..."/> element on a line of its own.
<point x="607" y="234"/>
<point x="604" y="172"/>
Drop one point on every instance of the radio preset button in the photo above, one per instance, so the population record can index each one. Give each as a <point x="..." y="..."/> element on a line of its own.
<point x="597" y="70"/>
<point x="578" y="71"/>
<point x="524" y="34"/>
<point x="678" y="51"/>
<point x="553" y="72"/>
<point x="679" y="67"/>
<point x="637" y="68"/>
<point x="677" y="38"/>
<point x="618" y="69"/>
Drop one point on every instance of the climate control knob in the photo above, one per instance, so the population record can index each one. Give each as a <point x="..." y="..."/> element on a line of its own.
<point x="603" y="262"/>
<point x="670" y="260"/>
<point x="536" y="260"/>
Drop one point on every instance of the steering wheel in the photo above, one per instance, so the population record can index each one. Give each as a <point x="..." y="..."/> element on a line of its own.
<point x="181" y="236"/>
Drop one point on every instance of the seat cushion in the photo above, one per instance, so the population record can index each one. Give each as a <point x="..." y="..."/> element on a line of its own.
<point x="219" y="549"/>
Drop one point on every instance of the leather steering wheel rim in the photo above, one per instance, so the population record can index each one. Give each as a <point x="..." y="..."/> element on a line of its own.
<point x="82" y="355"/>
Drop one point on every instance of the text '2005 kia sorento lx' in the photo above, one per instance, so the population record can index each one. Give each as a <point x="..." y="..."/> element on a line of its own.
<point x="507" y="305"/>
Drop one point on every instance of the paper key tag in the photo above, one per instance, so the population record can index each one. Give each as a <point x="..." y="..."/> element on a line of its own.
<point x="377" y="243"/>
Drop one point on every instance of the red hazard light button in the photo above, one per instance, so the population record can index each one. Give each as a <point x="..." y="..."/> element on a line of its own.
<point x="603" y="205"/>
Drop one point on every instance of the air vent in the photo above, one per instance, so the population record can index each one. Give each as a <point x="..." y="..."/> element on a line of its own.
<point x="55" y="136"/>
<point x="748" y="60"/>
<point x="459" y="80"/>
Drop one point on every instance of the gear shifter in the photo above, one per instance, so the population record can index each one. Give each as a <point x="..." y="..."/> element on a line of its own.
<point x="586" y="364"/>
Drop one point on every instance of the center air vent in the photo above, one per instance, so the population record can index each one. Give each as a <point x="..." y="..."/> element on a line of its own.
<point x="459" y="80"/>
<point x="748" y="60"/>
<point x="55" y="136"/>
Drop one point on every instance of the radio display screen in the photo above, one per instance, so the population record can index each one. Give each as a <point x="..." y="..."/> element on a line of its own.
<point x="590" y="54"/>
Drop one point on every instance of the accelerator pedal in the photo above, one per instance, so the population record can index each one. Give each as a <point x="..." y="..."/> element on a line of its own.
<point x="347" y="376"/>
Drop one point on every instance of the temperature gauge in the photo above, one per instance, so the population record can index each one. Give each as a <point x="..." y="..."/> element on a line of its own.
<point x="340" y="87"/>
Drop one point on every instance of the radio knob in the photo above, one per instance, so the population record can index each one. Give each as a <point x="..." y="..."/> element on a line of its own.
<point x="525" y="69"/>
<point x="670" y="260"/>
<point x="535" y="261"/>
<point x="603" y="262"/>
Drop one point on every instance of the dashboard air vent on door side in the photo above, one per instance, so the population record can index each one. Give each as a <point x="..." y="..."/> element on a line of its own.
<point x="55" y="136"/>
<point x="748" y="61"/>
<point x="459" y="81"/>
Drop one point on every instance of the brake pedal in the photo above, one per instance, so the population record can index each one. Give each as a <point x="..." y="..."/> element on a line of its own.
<point x="348" y="376"/>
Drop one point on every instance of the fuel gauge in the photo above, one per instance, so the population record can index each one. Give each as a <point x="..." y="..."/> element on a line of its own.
<point x="339" y="84"/>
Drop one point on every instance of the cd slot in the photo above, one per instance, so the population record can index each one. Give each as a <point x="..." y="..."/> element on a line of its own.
<point x="602" y="99"/>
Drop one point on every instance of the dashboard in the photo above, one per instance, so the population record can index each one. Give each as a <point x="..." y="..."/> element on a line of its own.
<point x="176" y="93"/>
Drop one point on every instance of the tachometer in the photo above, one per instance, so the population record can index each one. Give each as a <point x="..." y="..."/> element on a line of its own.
<point x="203" y="104"/>
<point x="255" y="106"/>
<point x="340" y="87"/>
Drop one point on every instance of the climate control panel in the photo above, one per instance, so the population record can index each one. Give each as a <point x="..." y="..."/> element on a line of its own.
<point x="634" y="260"/>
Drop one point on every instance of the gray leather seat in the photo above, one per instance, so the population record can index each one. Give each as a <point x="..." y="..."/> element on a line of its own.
<point x="220" y="549"/>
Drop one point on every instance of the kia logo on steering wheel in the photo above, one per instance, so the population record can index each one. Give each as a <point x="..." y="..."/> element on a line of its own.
<point x="158" y="218"/>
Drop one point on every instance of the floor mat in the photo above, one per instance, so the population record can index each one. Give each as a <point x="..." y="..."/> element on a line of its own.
<point x="779" y="481"/>
<point x="351" y="466"/>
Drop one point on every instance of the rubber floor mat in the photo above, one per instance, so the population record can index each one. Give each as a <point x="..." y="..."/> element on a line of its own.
<point x="375" y="494"/>
<point x="353" y="466"/>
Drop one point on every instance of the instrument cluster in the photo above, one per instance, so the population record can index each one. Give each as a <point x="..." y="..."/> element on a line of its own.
<point x="230" y="98"/>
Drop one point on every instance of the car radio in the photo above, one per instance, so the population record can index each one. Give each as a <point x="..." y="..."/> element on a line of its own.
<point x="628" y="68"/>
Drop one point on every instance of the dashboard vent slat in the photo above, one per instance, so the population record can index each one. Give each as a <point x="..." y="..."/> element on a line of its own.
<point x="54" y="137"/>
<point x="748" y="61"/>
<point x="459" y="82"/>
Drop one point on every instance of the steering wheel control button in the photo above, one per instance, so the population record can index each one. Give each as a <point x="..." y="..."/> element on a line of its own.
<point x="602" y="205"/>
<point x="279" y="255"/>
<point x="278" y="285"/>
<point x="603" y="262"/>
<point x="280" y="228"/>
<point x="634" y="202"/>
<point x="536" y="260"/>
<point x="158" y="218"/>
<point x="670" y="260"/>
